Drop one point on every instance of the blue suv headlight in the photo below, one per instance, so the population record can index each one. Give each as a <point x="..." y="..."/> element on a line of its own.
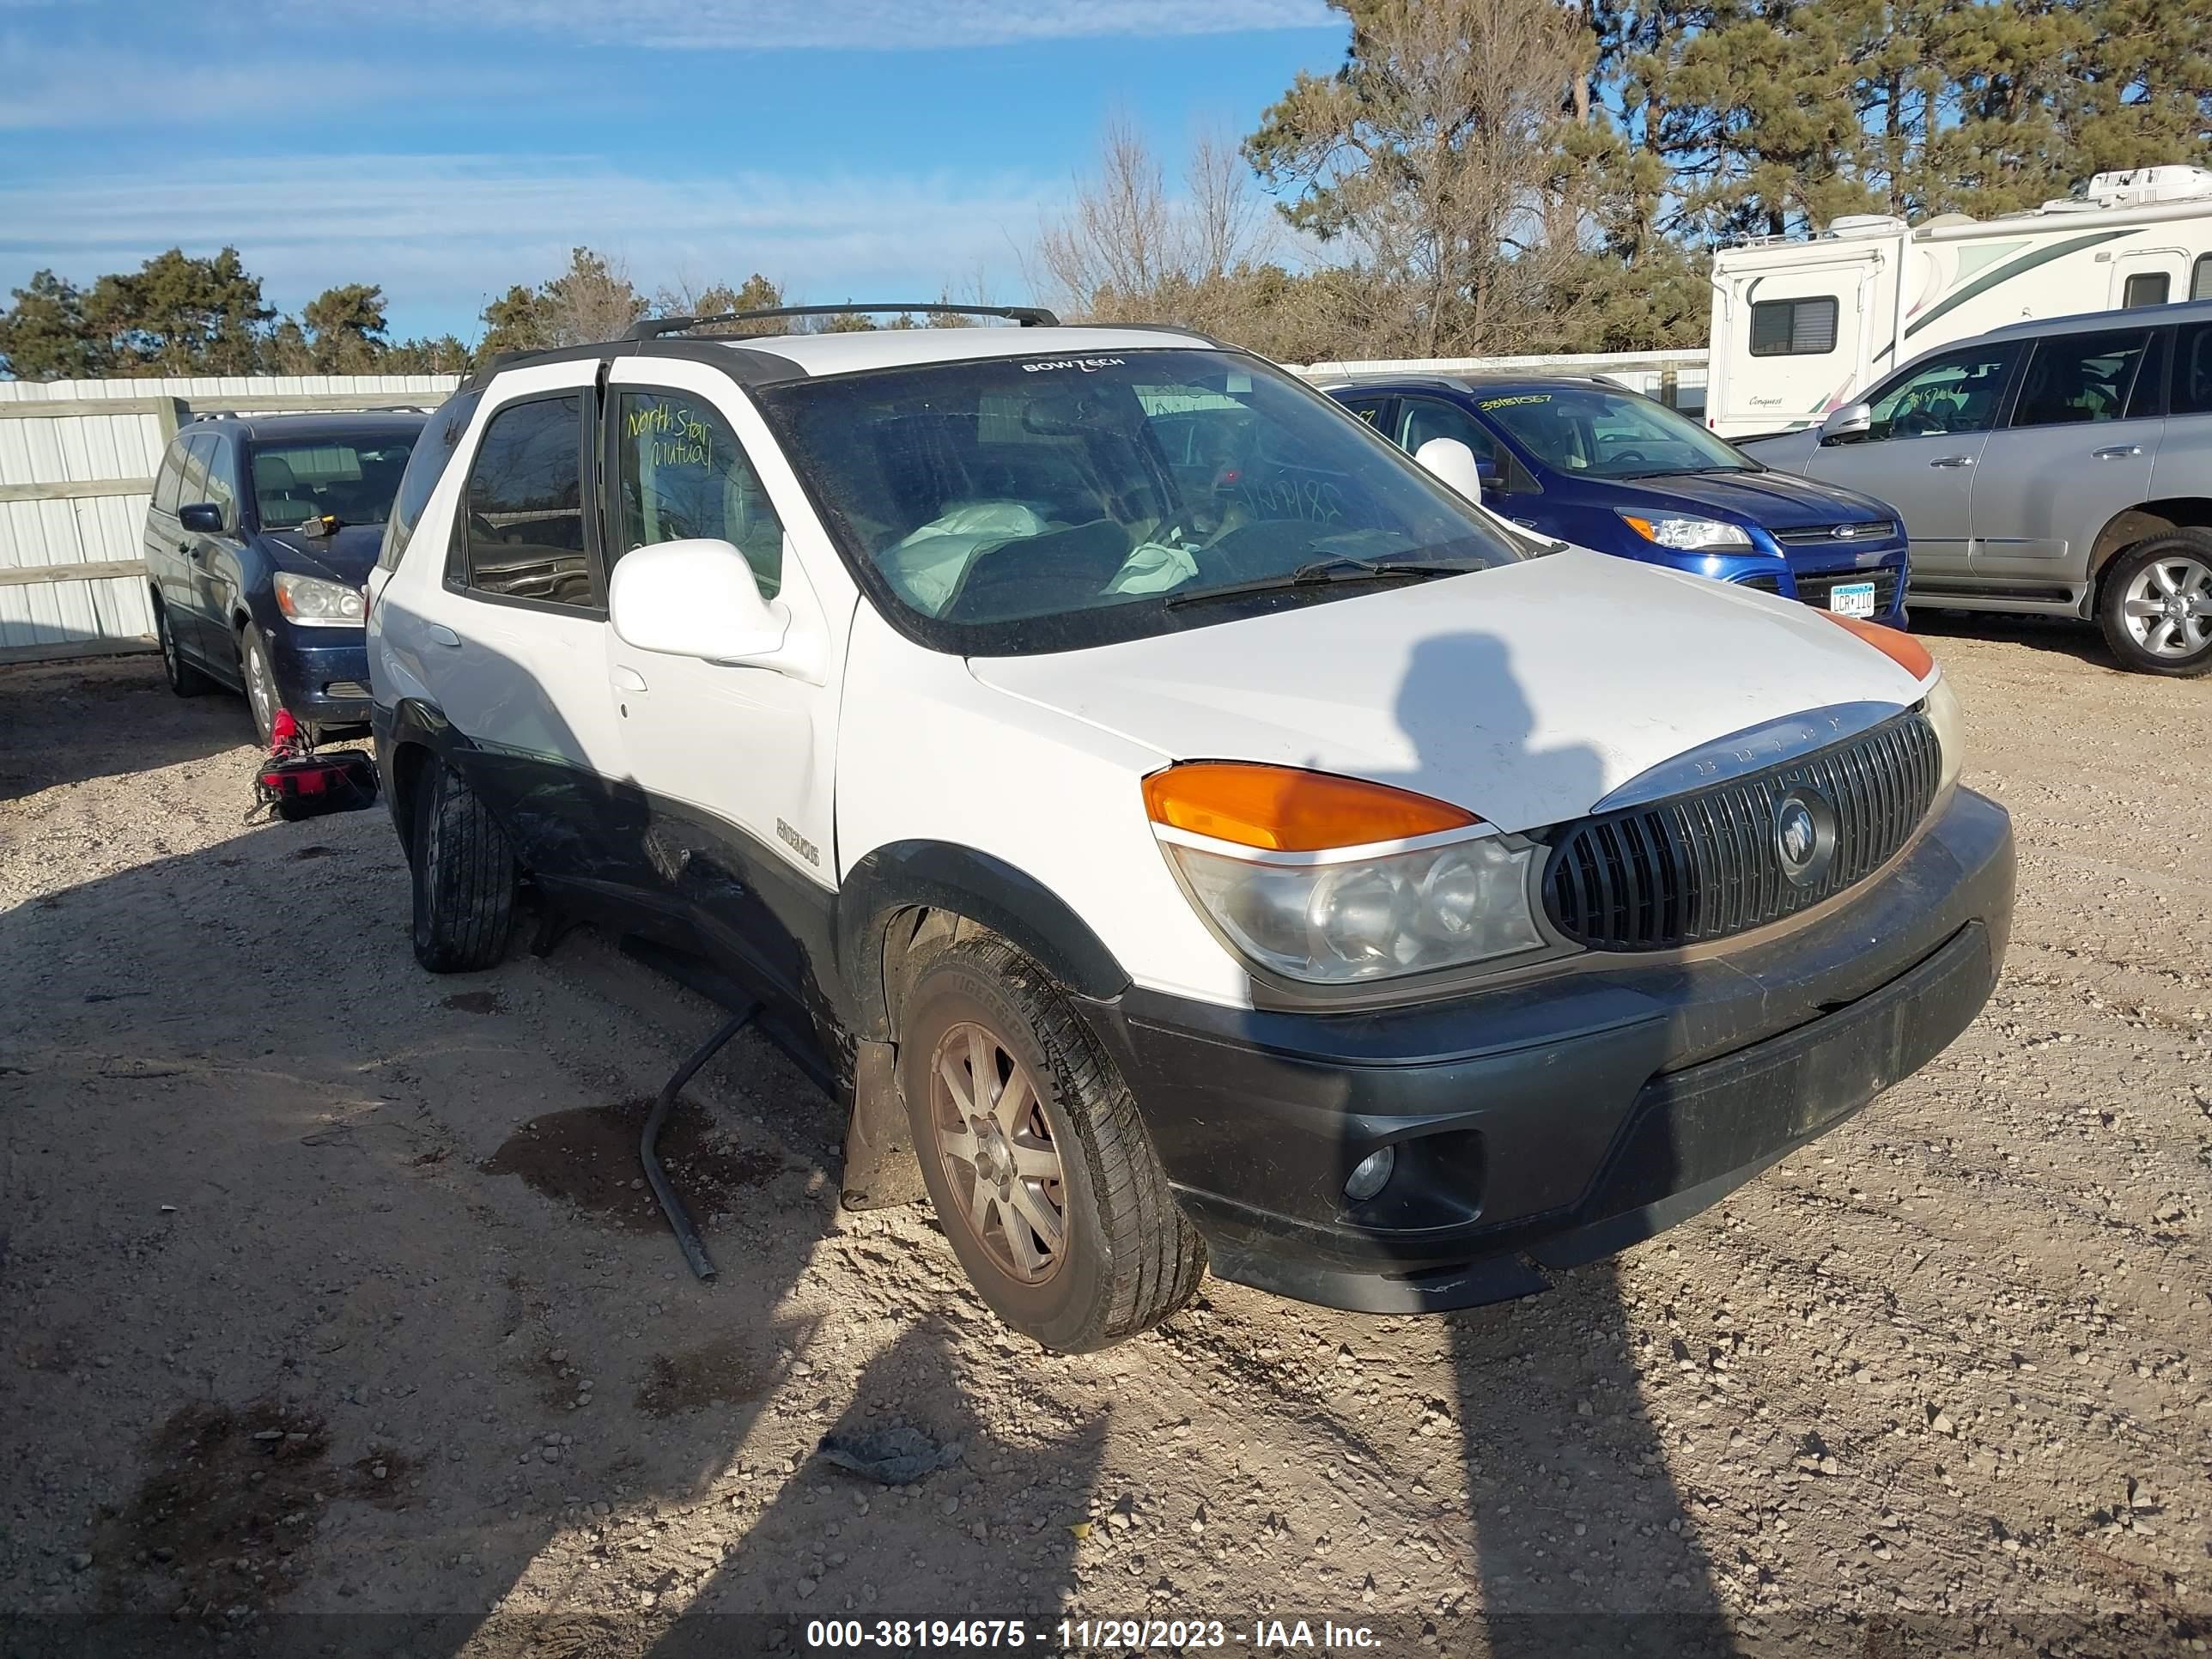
<point x="1685" y="534"/>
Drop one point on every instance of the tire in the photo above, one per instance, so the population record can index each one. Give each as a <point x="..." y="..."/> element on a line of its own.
<point x="261" y="696"/>
<point x="465" y="878"/>
<point x="1126" y="1258"/>
<point x="2155" y="605"/>
<point x="184" y="680"/>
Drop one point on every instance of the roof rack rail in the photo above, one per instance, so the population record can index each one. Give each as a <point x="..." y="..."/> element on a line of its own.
<point x="653" y="327"/>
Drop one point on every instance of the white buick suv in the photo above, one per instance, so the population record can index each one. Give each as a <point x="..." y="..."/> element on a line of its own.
<point x="1185" y="830"/>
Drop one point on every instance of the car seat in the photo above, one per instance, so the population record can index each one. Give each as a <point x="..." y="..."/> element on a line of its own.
<point x="278" y="494"/>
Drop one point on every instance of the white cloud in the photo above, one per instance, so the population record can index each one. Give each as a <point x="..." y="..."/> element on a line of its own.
<point x="866" y="25"/>
<point x="441" y="233"/>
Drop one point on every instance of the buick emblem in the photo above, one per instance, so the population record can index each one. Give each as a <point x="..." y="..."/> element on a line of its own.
<point x="1804" y="835"/>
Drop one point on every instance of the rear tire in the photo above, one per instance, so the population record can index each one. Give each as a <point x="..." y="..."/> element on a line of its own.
<point x="1052" y="1134"/>
<point x="2155" y="605"/>
<point x="184" y="680"/>
<point x="464" y="877"/>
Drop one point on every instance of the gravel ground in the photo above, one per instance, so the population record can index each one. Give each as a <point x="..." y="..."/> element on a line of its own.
<point x="332" y="1318"/>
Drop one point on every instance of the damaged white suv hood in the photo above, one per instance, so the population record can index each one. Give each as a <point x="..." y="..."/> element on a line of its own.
<point x="1526" y="694"/>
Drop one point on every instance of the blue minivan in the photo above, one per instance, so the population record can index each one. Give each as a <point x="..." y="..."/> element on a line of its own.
<point x="1584" y="460"/>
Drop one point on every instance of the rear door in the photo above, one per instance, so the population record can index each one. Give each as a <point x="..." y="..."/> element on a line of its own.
<point x="167" y="570"/>
<point x="1930" y="425"/>
<point x="2075" y="450"/>
<point x="512" y="649"/>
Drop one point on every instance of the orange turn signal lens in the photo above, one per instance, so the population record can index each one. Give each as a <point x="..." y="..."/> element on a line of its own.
<point x="1899" y="647"/>
<point x="1283" y="809"/>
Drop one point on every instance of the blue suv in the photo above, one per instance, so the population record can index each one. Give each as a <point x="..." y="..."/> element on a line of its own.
<point x="1586" y="461"/>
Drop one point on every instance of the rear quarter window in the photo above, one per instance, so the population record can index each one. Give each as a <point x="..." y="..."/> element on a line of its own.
<point x="434" y="451"/>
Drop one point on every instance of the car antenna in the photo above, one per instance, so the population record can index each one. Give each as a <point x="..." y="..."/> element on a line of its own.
<point x="652" y="328"/>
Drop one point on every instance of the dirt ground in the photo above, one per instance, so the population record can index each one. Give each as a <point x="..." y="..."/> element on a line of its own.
<point x="332" y="1318"/>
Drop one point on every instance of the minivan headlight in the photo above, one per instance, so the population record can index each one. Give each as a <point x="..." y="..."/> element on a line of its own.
<point x="1950" y="723"/>
<point x="319" y="603"/>
<point x="1687" y="534"/>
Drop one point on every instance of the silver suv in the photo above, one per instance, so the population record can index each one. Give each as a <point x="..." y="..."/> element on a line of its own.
<point x="2061" y="467"/>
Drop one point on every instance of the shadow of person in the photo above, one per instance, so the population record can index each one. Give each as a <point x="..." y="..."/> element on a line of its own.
<point x="986" y="1535"/>
<point x="1580" y="1542"/>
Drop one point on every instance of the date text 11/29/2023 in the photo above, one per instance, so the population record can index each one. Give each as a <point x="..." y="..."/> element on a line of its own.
<point x="1090" y="1635"/>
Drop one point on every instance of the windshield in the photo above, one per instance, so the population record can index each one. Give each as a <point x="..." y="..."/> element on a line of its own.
<point x="353" y="482"/>
<point x="1602" y="433"/>
<point x="1026" y="504"/>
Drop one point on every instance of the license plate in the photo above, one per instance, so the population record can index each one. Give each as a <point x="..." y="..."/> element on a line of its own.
<point x="1851" y="598"/>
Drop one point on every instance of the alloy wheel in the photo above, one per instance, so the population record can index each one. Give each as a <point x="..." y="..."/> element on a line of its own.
<point x="260" y="690"/>
<point x="2167" y="608"/>
<point x="1000" y="1159"/>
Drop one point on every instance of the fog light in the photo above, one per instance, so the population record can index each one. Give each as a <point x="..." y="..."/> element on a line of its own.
<point x="1371" y="1176"/>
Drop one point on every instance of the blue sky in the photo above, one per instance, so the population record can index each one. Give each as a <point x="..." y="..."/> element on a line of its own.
<point x="444" y="149"/>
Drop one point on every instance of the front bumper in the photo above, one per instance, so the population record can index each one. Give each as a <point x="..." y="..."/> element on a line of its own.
<point x="320" y="678"/>
<point x="1552" y="1122"/>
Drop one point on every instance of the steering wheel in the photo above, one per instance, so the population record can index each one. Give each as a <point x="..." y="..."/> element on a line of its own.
<point x="1630" y="455"/>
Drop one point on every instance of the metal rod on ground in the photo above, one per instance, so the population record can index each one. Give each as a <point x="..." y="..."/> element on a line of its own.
<point x="679" y="1218"/>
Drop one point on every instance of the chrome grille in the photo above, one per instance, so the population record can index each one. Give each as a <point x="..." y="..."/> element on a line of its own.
<point x="1707" y="865"/>
<point x="1824" y="535"/>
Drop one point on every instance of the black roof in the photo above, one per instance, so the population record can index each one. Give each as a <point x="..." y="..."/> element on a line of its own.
<point x="1480" y="380"/>
<point x="336" y="423"/>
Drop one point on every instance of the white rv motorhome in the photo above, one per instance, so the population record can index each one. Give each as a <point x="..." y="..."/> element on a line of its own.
<point x="1803" y="327"/>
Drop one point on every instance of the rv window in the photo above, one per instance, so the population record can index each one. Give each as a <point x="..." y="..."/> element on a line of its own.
<point x="2200" y="282"/>
<point x="2146" y="287"/>
<point x="1794" y="328"/>
<point x="2074" y="379"/>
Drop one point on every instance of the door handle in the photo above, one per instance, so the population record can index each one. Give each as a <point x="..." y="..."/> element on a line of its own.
<point x="1953" y="460"/>
<point x="2116" y="452"/>
<point x="442" y="634"/>
<point x="627" y="679"/>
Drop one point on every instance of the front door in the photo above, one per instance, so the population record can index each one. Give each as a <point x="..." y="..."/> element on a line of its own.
<point x="734" y="761"/>
<point x="1929" y="427"/>
<point x="210" y="642"/>
<point x="2075" y="452"/>
<point x="167" y="569"/>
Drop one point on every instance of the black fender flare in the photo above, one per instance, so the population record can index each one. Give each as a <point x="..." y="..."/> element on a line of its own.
<point x="411" y="723"/>
<point x="945" y="876"/>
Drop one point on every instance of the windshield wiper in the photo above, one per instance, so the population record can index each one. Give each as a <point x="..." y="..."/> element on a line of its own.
<point x="1324" y="572"/>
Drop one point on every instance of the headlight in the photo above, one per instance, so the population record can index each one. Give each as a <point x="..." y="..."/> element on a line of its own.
<point x="1410" y="885"/>
<point x="314" y="602"/>
<point x="1950" y="723"/>
<point x="1687" y="534"/>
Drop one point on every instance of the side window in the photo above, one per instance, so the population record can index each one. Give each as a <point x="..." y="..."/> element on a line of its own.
<point x="170" y="479"/>
<point x="425" y="465"/>
<point x="2146" y="287"/>
<point x="1956" y="392"/>
<point x="222" y="460"/>
<point x="2192" y="370"/>
<point x="1794" y="328"/>
<point x="1424" y="418"/>
<point x="679" y="473"/>
<point x="522" y="527"/>
<point x="2200" y="278"/>
<point x="2075" y="380"/>
<point x="1368" y="408"/>
<point x="193" y="488"/>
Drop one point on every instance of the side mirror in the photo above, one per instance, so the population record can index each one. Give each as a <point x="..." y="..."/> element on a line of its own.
<point x="1852" y="421"/>
<point x="204" y="517"/>
<point x="694" y="598"/>
<point x="1454" y="462"/>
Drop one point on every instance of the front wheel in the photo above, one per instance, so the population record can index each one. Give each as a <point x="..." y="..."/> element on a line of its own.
<point x="2155" y="604"/>
<point x="464" y="877"/>
<point x="261" y="693"/>
<point x="1035" y="1158"/>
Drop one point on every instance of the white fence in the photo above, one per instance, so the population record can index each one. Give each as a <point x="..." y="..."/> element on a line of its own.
<point x="77" y="460"/>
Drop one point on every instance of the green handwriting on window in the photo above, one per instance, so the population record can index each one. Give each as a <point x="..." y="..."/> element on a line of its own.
<point x="677" y="437"/>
